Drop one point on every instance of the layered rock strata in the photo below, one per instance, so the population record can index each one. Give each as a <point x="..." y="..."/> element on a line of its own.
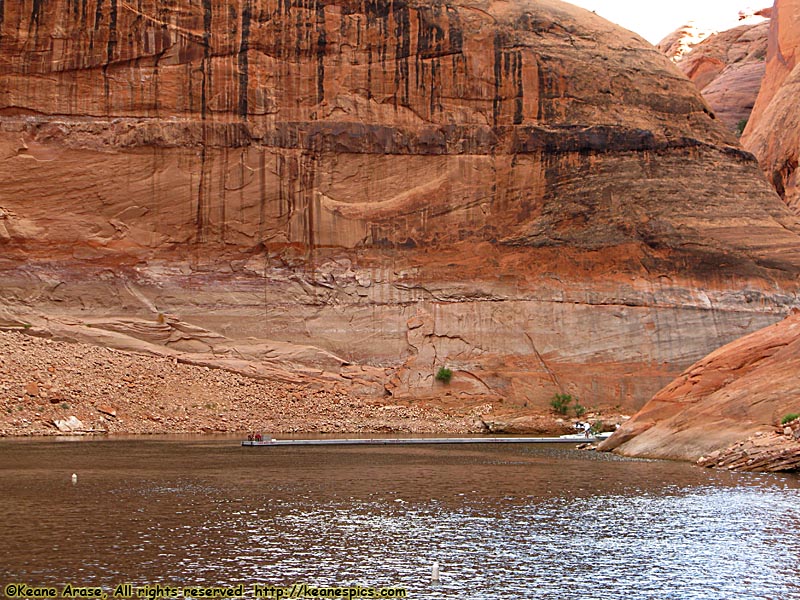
<point x="773" y="133"/>
<point x="740" y="390"/>
<point x="361" y="192"/>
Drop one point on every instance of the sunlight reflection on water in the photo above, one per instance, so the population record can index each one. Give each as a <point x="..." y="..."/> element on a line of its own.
<point x="503" y="522"/>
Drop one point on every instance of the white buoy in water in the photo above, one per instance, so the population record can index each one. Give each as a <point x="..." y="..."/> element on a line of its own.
<point x="435" y="571"/>
<point x="74" y="479"/>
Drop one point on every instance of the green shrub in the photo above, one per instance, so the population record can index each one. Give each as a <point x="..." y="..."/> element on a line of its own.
<point x="444" y="375"/>
<point x="740" y="126"/>
<point x="788" y="418"/>
<point x="560" y="403"/>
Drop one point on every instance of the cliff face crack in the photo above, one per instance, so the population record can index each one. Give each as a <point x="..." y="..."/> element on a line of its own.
<point x="445" y="336"/>
<point x="191" y="35"/>
<point x="544" y="364"/>
<point x="321" y="47"/>
<point x="487" y="387"/>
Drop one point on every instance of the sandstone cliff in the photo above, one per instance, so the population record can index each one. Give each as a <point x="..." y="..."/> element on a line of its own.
<point x="726" y="66"/>
<point x="773" y="133"/>
<point x="359" y="192"/>
<point x="741" y="389"/>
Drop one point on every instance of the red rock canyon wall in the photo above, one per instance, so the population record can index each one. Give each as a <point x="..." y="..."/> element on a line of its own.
<point x="362" y="191"/>
<point x="773" y="133"/>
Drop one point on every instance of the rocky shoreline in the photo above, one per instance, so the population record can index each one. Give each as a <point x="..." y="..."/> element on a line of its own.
<point x="50" y="387"/>
<point x="767" y="452"/>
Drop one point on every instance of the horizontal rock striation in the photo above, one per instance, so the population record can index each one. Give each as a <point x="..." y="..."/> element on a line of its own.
<point x="521" y="191"/>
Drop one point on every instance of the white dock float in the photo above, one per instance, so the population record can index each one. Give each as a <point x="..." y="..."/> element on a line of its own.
<point x="569" y="439"/>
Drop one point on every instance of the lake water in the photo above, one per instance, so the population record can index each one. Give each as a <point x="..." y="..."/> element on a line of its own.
<point x="503" y="521"/>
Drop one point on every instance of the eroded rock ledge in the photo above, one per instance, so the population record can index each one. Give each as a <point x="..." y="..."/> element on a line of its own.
<point x="770" y="452"/>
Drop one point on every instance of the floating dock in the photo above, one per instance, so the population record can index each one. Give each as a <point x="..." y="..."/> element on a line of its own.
<point x="565" y="439"/>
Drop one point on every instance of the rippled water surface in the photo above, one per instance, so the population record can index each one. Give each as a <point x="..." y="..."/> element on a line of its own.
<point x="510" y="521"/>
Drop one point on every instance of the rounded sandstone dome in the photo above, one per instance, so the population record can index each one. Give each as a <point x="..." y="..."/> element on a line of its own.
<point x="498" y="63"/>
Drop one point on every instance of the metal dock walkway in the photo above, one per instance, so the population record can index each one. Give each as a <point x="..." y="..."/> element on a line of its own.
<point x="570" y="439"/>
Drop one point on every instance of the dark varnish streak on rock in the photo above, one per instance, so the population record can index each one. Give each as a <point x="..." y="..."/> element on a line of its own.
<point x="520" y="91"/>
<point x="430" y="38"/>
<point x="455" y="37"/>
<point x="37" y="10"/>
<point x="320" y="53"/>
<point x="110" y="45"/>
<point x="548" y="89"/>
<point x="203" y="195"/>
<point x="112" y="32"/>
<point x="498" y="76"/>
<point x="377" y="12"/>
<point x="243" y="58"/>
<point x="206" y="70"/>
<point x="98" y="18"/>
<point x="402" y="51"/>
<point x="507" y="67"/>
